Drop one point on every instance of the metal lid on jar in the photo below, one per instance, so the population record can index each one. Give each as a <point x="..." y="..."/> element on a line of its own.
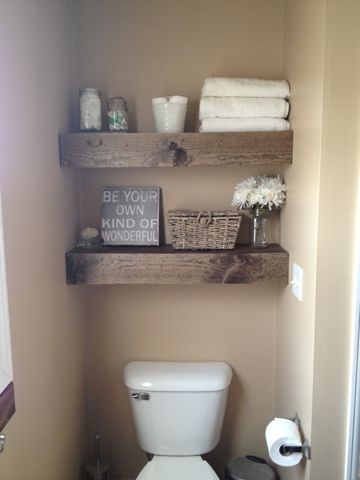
<point x="118" y="102"/>
<point x="84" y="91"/>
<point x="118" y="99"/>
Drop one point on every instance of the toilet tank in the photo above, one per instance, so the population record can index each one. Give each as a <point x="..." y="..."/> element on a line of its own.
<point x="178" y="407"/>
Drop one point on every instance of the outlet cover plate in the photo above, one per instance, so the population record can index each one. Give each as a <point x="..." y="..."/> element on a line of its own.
<point x="297" y="281"/>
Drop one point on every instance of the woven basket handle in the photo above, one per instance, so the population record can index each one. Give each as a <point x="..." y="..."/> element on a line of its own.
<point x="204" y="218"/>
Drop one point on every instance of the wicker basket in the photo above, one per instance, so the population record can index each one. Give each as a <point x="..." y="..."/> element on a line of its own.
<point x="203" y="230"/>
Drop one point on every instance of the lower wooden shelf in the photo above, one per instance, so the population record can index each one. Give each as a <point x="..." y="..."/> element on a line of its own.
<point x="164" y="266"/>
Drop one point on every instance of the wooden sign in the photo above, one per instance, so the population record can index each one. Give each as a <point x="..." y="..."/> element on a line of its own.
<point x="130" y="216"/>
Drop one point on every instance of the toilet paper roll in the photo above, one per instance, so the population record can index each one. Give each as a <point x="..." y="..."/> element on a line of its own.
<point x="281" y="432"/>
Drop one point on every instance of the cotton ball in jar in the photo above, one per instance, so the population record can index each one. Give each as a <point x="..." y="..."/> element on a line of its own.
<point x="90" y="109"/>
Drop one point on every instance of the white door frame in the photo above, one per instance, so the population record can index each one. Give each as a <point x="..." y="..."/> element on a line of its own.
<point x="6" y="370"/>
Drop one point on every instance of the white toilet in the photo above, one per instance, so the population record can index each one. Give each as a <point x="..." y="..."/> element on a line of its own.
<point x="178" y="410"/>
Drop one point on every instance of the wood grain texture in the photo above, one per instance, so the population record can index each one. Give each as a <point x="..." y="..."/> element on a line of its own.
<point x="108" y="149"/>
<point x="7" y="405"/>
<point x="164" y="265"/>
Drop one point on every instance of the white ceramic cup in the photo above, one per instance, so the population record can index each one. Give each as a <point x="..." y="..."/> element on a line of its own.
<point x="169" y="114"/>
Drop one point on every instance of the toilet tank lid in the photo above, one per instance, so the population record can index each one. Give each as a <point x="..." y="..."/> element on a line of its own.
<point x="177" y="376"/>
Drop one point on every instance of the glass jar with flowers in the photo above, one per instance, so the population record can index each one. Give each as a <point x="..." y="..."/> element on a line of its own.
<point x="260" y="194"/>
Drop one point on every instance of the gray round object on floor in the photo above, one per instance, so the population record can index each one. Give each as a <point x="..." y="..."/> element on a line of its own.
<point x="242" y="468"/>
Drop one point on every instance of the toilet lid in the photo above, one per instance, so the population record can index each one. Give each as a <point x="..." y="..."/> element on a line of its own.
<point x="177" y="468"/>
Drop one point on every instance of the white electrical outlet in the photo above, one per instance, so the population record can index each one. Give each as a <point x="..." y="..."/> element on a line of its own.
<point x="297" y="281"/>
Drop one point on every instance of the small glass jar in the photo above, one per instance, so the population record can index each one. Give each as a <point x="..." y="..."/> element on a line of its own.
<point x="90" y="109"/>
<point x="118" y="114"/>
<point x="260" y="227"/>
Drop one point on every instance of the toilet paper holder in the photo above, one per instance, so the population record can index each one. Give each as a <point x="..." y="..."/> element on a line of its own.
<point x="305" y="448"/>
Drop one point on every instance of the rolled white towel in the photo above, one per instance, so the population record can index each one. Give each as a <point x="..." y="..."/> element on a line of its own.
<point x="238" y="107"/>
<point x="259" y="124"/>
<point x="245" y="87"/>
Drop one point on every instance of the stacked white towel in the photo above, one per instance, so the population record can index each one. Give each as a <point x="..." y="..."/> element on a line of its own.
<point x="244" y="104"/>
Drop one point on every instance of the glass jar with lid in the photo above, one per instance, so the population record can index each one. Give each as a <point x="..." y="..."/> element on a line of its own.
<point x="118" y="114"/>
<point x="90" y="109"/>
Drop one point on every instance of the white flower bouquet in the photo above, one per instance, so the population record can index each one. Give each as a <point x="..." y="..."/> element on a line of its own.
<point x="265" y="192"/>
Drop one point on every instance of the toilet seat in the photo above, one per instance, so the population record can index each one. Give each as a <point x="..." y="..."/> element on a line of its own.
<point x="177" y="468"/>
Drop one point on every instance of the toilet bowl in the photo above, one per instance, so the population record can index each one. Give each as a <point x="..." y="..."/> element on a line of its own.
<point x="177" y="468"/>
<point x="178" y="410"/>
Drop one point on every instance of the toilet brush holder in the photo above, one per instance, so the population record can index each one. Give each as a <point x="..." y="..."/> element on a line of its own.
<point x="98" y="470"/>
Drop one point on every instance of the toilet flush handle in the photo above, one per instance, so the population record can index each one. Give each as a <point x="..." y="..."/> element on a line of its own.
<point x="140" y="396"/>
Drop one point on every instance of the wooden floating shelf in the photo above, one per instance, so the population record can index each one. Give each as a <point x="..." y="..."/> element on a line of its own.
<point x="108" y="149"/>
<point x="164" y="265"/>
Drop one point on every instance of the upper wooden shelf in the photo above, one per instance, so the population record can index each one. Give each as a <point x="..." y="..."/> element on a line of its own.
<point x="108" y="149"/>
<point x="163" y="265"/>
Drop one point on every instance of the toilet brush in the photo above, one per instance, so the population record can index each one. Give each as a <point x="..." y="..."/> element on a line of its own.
<point x="98" y="470"/>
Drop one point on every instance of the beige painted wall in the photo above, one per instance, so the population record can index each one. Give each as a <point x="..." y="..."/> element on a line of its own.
<point x="303" y="66"/>
<point x="147" y="49"/>
<point x="195" y="323"/>
<point x="337" y="242"/>
<point x="140" y="50"/>
<point x="319" y="229"/>
<point x="45" y="438"/>
<point x="279" y="351"/>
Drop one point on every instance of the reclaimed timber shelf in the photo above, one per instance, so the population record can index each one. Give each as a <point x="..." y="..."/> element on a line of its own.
<point x="163" y="265"/>
<point x="113" y="150"/>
